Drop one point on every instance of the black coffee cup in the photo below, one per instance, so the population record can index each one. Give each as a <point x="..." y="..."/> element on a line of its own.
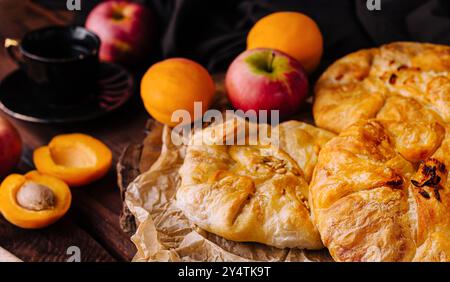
<point x="61" y="60"/>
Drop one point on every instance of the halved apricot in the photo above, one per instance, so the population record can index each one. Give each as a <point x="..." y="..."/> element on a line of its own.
<point x="77" y="159"/>
<point x="33" y="200"/>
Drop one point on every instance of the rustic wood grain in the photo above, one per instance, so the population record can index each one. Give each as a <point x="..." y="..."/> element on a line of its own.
<point x="134" y="160"/>
<point x="102" y="225"/>
<point x="93" y="221"/>
<point x="51" y="244"/>
<point x="127" y="171"/>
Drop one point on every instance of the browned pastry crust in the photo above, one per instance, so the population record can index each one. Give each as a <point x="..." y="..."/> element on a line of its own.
<point x="380" y="189"/>
<point x="253" y="193"/>
<point x="400" y="81"/>
<point x="380" y="192"/>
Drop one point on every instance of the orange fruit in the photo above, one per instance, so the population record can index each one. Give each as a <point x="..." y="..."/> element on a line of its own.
<point x="292" y="33"/>
<point x="176" y="84"/>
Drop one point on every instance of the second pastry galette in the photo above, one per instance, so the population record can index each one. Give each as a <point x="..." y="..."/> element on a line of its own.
<point x="253" y="193"/>
<point x="401" y="81"/>
<point x="380" y="192"/>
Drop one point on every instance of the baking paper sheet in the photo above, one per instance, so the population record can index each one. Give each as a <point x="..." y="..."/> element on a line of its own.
<point x="165" y="234"/>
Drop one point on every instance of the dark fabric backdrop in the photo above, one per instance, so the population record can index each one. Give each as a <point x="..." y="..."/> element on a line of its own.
<point x="213" y="32"/>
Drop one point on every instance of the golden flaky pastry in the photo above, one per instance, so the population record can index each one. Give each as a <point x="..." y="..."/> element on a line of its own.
<point x="253" y="193"/>
<point x="380" y="189"/>
<point x="380" y="192"/>
<point x="399" y="81"/>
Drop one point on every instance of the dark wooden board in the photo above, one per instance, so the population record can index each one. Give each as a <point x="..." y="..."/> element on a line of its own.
<point x="93" y="221"/>
<point x="136" y="159"/>
<point x="51" y="244"/>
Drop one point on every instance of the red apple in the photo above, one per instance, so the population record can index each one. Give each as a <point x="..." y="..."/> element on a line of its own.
<point x="127" y="31"/>
<point x="266" y="79"/>
<point x="10" y="147"/>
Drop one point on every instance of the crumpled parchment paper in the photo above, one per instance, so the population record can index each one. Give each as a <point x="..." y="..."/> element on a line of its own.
<point x="165" y="234"/>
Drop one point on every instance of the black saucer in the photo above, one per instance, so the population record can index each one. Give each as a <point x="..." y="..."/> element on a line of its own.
<point x="19" y="98"/>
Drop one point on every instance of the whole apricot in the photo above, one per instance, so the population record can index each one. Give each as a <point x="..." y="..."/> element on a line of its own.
<point x="176" y="84"/>
<point x="292" y="33"/>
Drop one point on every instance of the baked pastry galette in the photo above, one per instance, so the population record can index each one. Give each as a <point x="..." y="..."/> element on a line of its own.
<point x="253" y="192"/>
<point x="399" y="81"/>
<point x="380" y="192"/>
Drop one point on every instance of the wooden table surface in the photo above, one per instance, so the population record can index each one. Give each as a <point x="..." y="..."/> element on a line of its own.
<point x="92" y="224"/>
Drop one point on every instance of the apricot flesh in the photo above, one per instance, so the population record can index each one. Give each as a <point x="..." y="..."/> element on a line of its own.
<point x="77" y="159"/>
<point x="25" y="200"/>
<point x="76" y="155"/>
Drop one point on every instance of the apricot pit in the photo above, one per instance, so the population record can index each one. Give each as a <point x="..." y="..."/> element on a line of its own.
<point x="35" y="196"/>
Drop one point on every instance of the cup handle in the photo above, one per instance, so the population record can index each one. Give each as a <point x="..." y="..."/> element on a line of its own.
<point x="10" y="45"/>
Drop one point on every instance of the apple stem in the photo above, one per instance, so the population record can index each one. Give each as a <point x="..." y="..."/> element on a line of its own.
<point x="270" y="62"/>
